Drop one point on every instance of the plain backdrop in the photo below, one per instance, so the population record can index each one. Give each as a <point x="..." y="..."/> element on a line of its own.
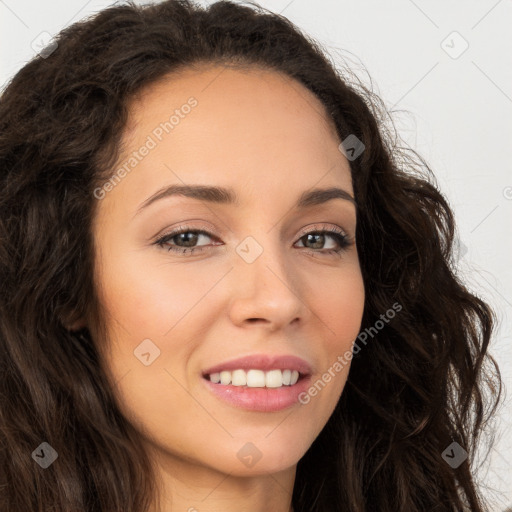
<point x="442" y="67"/>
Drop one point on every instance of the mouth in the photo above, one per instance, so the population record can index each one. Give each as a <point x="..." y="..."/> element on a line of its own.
<point x="260" y="383"/>
<point x="255" y="395"/>
<point x="255" y="378"/>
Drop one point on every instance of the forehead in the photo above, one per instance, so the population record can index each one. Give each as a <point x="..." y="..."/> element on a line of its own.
<point x="249" y="87"/>
<point x="229" y="99"/>
<point x="251" y="129"/>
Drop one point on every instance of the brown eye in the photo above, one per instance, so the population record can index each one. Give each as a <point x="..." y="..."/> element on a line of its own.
<point x="183" y="240"/>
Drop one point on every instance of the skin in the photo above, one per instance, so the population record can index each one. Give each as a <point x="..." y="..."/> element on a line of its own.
<point x="270" y="139"/>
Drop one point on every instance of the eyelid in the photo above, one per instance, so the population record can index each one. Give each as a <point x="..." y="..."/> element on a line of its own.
<point x="185" y="227"/>
<point x="322" y="226"/>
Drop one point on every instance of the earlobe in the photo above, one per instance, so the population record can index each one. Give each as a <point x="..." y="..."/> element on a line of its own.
<point x="76" y="326"/>
<point x="71" y="324"/>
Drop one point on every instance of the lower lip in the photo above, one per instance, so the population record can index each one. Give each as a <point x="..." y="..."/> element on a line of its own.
<point x="260" y="399"/>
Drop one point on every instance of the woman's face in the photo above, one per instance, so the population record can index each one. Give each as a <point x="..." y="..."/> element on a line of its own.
<point x="256" y="285"/>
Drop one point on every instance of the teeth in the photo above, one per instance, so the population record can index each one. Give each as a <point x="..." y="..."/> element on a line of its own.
<point x="225" y="377"/>
<point x="238" y="378"/>
<point x="256" y="378"/>
<point x="274" y="379"/>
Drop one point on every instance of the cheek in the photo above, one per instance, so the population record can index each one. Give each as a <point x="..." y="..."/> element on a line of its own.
<point x="149" y="306"/>
<point x="340" y="305"/>
<point x="340" y="309"/>
<point x="150" y="299"/>
<point x="160" y="302"/>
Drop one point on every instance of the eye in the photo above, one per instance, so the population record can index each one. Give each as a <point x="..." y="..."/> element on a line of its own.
<point x="186" y="236"/>
<point x="183" y="240"/>
<point x="318" y="237"/>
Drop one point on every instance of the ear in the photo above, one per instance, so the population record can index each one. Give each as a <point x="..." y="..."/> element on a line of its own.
<point x="71" y="322"/>
<point x="76" y="326"/>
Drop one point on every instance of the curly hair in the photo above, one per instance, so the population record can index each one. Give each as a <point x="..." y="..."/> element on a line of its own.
<point x="424" y="382"/>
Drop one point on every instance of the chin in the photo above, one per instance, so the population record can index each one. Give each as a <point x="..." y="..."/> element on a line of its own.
<point x="258" y="456"/>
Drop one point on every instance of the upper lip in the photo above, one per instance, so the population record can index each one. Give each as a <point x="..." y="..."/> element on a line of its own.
<point x="263" y="362"/>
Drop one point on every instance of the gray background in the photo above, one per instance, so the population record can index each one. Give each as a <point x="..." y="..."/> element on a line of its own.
<point x="453" y="106"/>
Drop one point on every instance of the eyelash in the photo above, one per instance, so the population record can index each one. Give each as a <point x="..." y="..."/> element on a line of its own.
<point x="337" y="234"/>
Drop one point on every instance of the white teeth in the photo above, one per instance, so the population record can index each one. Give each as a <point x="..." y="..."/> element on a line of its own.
<point x="274" y="379"/>
<point x="225" y="377"/>
<point x="239" y="378"/>
<point x="256" y="378"/>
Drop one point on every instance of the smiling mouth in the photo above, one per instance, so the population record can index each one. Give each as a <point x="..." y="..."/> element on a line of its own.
<point x="254" y="394"/>
<point x="255" y="378"/>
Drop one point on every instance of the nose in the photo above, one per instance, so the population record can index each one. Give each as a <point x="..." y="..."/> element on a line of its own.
<point x="267" y="290"/>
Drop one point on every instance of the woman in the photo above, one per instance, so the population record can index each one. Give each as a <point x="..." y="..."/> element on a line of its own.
<point x="170" y="338"/>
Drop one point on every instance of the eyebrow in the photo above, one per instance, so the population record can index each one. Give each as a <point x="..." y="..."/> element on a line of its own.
<point x="221" y="195"/>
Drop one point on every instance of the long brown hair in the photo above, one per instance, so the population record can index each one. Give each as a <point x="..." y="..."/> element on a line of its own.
<point x="421" y="383"/>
